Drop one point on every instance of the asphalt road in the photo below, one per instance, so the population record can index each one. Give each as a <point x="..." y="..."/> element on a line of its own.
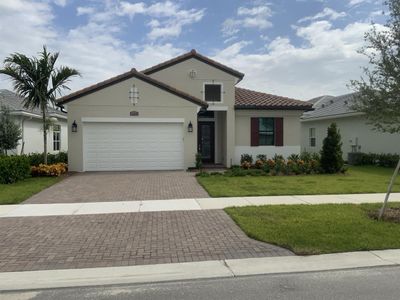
<point x="374" y="283"/>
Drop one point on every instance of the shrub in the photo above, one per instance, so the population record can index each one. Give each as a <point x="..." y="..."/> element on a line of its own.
<point x="305" y="156"/>
<point x="199" y="161"/>
<point x="266" y="168"/>
<point x="246" y="165"/>
<point x="294" y="157"/>
<point x="13" y="168"/>
<point x="382" y="160"/>
<point x="331" y="153"/>
<point x="49" y="170"/>
<point x="261" y="157"/>
<point x="38" y="158"/>
<point x="246" y="158"/>
<point x="259" y="164"/>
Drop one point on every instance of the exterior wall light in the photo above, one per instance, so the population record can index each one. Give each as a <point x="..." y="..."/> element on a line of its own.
<point x="190" y="127"/>
<point x="133" y="95"/>
<point x="74" y="127"/>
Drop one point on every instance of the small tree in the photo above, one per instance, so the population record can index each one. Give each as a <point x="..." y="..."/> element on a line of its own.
<point x="10" y="132"/>
<point x="378" y="91"/>
<point x="38" y="81"/>
<point x="331" y="153"/>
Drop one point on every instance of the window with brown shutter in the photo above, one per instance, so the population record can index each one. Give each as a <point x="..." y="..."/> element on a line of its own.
<point x="278" y="132"/>
<point x="254" y="132"/>
<point x="266" y="132"/>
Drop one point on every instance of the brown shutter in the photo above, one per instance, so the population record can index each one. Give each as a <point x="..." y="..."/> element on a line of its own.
<point x="254" y="131"/>
<point x="278" y="131"/>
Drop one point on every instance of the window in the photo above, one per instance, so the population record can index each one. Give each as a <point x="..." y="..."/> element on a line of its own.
<point x="266" y="132"/>
<point x="213" y="92"/>
<point x="56" y="137"/>
<point x="312" y="137"/>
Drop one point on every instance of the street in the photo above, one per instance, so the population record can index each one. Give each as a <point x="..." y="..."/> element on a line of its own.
<point x="372" y="283"/>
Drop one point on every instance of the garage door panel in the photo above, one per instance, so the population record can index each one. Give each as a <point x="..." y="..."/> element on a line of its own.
<point x="133" y="146"/>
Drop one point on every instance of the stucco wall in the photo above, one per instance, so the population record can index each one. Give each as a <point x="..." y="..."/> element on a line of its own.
<point x="33" y="136"/>
<point x="178" y="76"/>
<point x="351" y="129"/>
<point x="113" y="102"/>
<point x="291" y="133"/>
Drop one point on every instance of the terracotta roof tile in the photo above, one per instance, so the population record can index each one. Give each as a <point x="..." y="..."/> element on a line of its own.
<point x="248" y="99"/>
<point x="127" y="75"/>
<point x="193" y="54"/>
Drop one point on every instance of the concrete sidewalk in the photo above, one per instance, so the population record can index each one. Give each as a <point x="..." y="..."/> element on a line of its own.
<point x="12" y="281"/>
<point x="29" y="210"/>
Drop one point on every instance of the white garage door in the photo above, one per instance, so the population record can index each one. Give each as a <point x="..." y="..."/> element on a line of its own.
<point x="133" y="146"/>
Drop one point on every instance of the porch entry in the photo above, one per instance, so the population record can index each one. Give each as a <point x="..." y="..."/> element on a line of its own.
<point x="206" y="141"/>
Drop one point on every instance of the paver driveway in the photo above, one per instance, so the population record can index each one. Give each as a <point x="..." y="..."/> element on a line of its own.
<point x="87" y="241"/>
<point x="122" y="186"/>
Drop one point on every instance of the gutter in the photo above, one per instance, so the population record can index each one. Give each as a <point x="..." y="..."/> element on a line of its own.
<point x="339" y="116"/>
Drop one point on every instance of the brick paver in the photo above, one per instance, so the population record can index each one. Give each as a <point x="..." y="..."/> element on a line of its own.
<point x="122" y="186"/>
<point x="57" y="242"/>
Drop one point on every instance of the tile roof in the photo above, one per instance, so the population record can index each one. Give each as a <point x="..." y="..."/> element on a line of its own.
<point x="248" y="99"/>
<point x="331" y="107"/>
<point x="127" y="75"/>
<point x="193" y="54"/>
<point x="16" y="105"/>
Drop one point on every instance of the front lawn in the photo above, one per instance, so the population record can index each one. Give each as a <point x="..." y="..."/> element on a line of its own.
<point x="317" y="229"/>
<point x="22" y="190"/>
<point x="363" y="179"/>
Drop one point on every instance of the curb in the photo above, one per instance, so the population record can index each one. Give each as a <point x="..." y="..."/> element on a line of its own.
<point x="47" y="279"/>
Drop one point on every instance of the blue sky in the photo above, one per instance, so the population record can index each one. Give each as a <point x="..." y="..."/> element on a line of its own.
<point x="296" y="48"/>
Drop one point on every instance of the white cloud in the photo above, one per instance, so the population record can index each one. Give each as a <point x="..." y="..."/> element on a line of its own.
<point x="356" y="2"/>
<point x="85" y="10"/>
<point x="328" y="13"/>
<point x="168" y="18"/>
<point x="324" y="66"/>
<point x="256" y="16"/>
<point x="93" y="48"/>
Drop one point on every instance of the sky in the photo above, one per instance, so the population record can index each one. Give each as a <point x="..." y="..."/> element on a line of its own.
<point x="294" y="48"/>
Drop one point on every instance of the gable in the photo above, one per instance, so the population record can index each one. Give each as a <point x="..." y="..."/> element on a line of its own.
<point x="193" y="54"/>
<point x="125" y="76"/>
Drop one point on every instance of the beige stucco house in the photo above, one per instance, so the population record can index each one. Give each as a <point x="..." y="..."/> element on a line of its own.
<point x="357" y="135"/>
<point x="159" y="118"/>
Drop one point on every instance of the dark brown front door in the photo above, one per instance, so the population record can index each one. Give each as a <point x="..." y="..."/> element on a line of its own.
<point x="206" y="141"/>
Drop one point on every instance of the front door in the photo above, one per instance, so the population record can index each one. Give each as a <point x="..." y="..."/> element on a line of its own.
<point x="206" y="141"/>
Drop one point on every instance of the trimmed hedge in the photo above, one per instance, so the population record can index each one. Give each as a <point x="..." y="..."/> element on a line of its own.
<point x="383" y="160"/>
<point x="14" y="168"/>
<point x="37" y="159"/>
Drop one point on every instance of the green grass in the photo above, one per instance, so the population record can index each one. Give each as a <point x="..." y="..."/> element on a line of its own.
<point x="365" y="179"/>
<point x="22" y="190"/>
<point x="317" y="229"/>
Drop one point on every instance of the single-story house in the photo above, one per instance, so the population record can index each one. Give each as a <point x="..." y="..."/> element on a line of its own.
<point x="159" y="118"/>
<point x="357" y="135"/>
<point x="31" y="124"/>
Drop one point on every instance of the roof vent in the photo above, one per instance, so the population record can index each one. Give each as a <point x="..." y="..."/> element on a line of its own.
<point x="346" y="102"/>
<point x="192" y="74"/>
<point x="331" y="101"/>
<point x="323" y="105"/>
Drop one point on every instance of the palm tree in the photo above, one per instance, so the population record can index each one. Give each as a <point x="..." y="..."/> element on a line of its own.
<point x="38" y="82"/>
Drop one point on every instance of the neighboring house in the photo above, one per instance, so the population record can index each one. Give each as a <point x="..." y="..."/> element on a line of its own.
<point x="31" y="126"/>
<point x="161" y="117"/>
<point x="357" y="135"/>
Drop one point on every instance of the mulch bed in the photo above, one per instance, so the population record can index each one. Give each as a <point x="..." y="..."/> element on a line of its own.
<point x="390" y="215"/>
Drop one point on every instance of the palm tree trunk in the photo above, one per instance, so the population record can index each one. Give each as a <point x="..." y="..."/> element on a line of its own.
<point x="396" y="171"/>
<point x="44" y="135"/>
